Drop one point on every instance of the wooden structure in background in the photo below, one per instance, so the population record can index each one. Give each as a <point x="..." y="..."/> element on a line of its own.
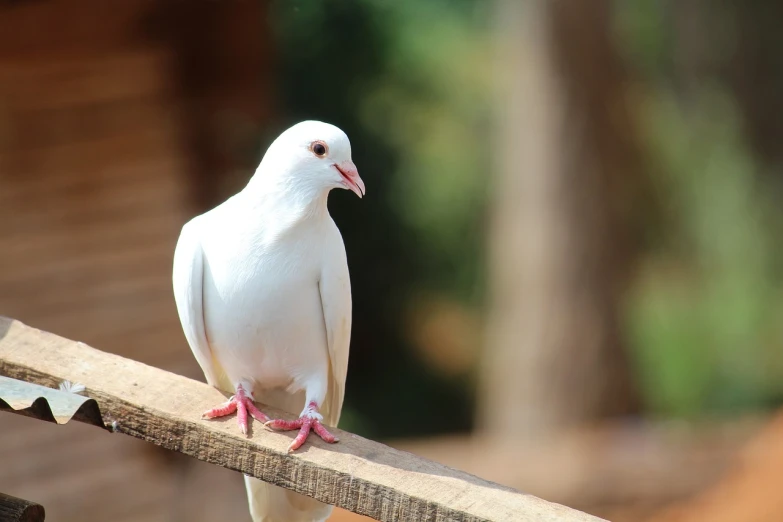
<point x="111" y="135"/>
<point x="118" y="121"/>
<point x="356" y="474"/>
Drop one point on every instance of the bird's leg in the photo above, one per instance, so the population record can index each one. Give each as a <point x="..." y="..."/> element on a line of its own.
<point x="242" y="403"/>
<point x="310" y="420"/>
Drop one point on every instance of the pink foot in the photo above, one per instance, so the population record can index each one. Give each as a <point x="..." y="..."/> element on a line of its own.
<point x="308" y="421"/>
<point x="241" y="403"/>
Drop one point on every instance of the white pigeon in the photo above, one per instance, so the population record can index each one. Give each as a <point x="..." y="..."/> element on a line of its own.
<point x="262" y="289"/>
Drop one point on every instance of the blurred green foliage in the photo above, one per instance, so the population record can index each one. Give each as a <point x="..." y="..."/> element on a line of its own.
<point x="408" y="82"/>
<point x="706" y="313"/>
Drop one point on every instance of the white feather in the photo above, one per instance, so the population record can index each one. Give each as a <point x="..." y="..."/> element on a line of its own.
<point x="71" y="387"/>
<point x="263" y="293"/>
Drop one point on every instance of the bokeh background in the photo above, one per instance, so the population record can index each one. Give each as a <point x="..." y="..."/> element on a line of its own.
<point x="566" y="272"/>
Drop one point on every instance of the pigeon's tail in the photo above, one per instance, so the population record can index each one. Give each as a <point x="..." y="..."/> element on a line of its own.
<point x="269" y="503"/>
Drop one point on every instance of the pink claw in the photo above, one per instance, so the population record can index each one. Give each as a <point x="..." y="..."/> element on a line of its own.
<point x="304" y="424"/>
<point x="240" y="403"/>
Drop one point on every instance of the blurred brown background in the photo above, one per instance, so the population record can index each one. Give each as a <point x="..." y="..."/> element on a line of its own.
<point x="566" y="274"/>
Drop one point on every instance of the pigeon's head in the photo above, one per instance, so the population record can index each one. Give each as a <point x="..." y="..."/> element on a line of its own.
<point x="316" y="155"/>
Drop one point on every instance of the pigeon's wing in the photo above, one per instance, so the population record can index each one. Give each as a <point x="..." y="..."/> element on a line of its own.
<point x="188" y="279"/>
<point x="335" y="289"/>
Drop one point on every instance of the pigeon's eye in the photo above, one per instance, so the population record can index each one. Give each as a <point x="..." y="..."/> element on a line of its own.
<point x="319" y="148"/>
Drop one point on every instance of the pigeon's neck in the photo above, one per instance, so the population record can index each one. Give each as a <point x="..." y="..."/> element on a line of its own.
<point x="288" y="199"/>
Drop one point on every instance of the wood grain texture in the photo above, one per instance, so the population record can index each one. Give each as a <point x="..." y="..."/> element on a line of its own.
<point x="356" y="474"/>
<point x="14" y="509"/>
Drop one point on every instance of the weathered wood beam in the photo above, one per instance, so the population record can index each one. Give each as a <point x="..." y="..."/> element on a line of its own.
<point x="356" y="474"/>
<point x="14" y="509"/>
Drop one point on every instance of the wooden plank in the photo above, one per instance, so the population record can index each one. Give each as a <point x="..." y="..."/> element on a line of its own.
<point x="14" y="509"/>
<point x="356" y="474"/>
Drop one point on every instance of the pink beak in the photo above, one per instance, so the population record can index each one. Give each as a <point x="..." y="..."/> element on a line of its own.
<point x="351" y="178"/>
